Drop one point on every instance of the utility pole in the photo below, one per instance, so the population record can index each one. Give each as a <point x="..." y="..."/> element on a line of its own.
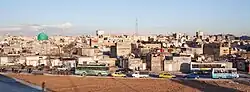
<point x="162" y="61"/>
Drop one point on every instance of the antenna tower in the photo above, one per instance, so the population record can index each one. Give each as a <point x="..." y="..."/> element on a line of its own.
<point x="136" y="27"/>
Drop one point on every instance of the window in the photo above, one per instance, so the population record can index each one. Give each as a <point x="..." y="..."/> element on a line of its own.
<point x="234" y="71"/>
<point x="168" y="74"/>
<point x="215" y="71"/>
<point x="194" y="66"/>
<point x="223" y="71"/>
<point x="78" y="68"/>
<point x="143" y="72"/>
<point x="206" y="66"/>
<point x="103" y="68"/>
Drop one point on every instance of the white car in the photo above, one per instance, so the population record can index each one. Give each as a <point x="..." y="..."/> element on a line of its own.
<point x="140" y="74"/>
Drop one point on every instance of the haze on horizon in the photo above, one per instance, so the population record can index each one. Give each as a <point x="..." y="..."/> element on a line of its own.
<point x="74" y="17"/>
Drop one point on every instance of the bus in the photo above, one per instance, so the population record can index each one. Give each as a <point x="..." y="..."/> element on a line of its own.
<point x="206" y="66"/>
<point x="224" y="73"/>
<point x="94" y="70"/>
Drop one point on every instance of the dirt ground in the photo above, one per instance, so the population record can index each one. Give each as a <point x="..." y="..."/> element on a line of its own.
<point x="94" y="84"/>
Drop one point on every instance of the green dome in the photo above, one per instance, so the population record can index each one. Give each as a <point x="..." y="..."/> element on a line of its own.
<point x="42" y="36"/>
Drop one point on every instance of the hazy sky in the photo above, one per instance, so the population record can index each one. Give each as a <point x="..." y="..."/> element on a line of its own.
<point x="118" y="16"/>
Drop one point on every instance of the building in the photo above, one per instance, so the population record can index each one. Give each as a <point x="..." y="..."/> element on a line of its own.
<point x="199" y="34"/>
<point x="68" y="62"/>
<point x="144" y="51"/>
<point x="177" y="64"/>
<point x="94" y="42"/>
<point x="84" y="60"/>
<point x="55" y="62"/>
<point x="197" y="51"/>
<point x="154" y="62"/>
<point x="246" y="55"/>
<point x="36" y="60"/>
<point x="241" y="64"/>
<point x="151" y="44"/>
<point x="108" y="61"/>
<point x="4" y="60"/>
<point x="99" y="33"/>
<point x="177" y="35"/>
<point x="212" y="49"/>
<point x="86" y="51"/>
<point x="136" y="64"/>
<point x="234" y="50"/>
<point x="196" y="47"/>
<point x="224" y="48"/>
<point x="120" y="49"/>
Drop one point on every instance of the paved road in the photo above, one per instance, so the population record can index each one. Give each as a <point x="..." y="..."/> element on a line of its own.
<point x="10" y="85"/>
<point x="244" y="75"/>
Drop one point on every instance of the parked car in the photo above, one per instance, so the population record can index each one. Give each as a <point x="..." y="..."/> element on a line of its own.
<point x="166" y="75"/>
<point x="140" y="74"/>
<point x="124" y="70"/>
<point x="118" y="74"/>
<point x="192" y="75"/>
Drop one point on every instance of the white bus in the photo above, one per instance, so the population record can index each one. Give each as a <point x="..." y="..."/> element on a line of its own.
<point x="224" y="73"/>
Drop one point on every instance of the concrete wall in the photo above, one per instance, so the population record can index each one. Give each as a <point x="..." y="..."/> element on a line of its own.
<point x="85" y="59"/>
<point x="144" y="66"/>
<point x="56" y="62"/>
<point x="88" y="52"/>
<point x="135" y="63"/>
<point x="182" y="59"/>
<point x="173" y="66"/>
<point x="144" y="51"/>
<point x="168" y="65"/>
<point x="123" y="49"/>
<point x="3" y="60"/>
<point x="156" y="65"/>
<point x="178" y="64"/>
<point x="34" y="60"/>
<point x="110" y="62"/>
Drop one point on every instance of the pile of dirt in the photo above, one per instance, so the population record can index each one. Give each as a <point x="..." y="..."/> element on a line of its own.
<point x="99" y="84"/>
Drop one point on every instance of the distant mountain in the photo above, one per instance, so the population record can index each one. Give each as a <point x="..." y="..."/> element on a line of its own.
<point x="244" y="38"/>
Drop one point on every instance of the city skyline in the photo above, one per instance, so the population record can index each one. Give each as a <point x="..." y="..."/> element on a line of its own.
<point x="158" y="16"/>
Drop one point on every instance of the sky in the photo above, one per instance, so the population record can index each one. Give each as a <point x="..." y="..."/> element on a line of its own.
<point x="74" y="17"/>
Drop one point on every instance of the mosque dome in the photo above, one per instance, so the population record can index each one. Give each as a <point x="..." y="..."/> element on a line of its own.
<point x="42" y="36"/>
